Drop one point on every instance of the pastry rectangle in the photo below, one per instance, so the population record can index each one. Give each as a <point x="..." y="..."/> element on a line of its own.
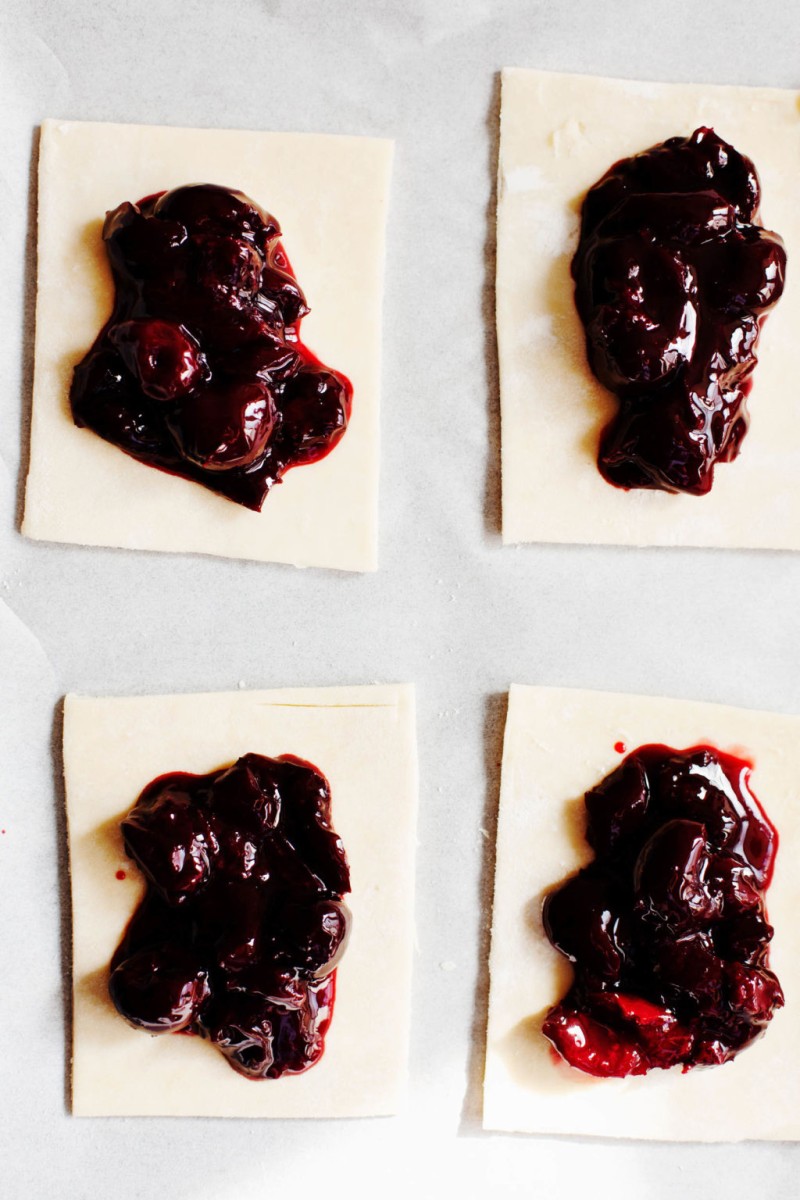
<point x="330" y="195"/>
<point x="363" y="740"/>
<point x="558" y="744"/>
<point x="559" y="135"/>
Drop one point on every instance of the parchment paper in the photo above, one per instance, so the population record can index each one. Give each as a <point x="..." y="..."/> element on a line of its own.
<point x="449" y="608"/>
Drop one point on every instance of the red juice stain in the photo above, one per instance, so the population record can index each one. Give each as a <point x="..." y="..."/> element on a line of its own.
<point x="121" y="874"/>
<point x="619" y="747"/>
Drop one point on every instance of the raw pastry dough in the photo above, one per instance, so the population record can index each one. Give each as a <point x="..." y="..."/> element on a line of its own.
<point x="363" y="739"/>
<point x="330" y="195"/>
<point x="558" y="743"/>
<point x="559" y="134"/>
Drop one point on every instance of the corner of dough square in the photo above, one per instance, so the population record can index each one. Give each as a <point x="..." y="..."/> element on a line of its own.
<point x="330" y="196"/>
<point x="558" y="135"/>
<point x="363" y="739"/>
<point x="558" y="744"/>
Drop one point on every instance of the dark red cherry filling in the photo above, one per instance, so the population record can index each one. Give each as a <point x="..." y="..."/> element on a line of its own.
<point x="666" y="928"/>
<point x="243" y="925"/>
<point x="673" y="277"/>
<point x="200" y="369"/>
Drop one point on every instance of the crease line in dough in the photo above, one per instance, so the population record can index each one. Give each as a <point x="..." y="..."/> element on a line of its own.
<point x="280" y="704"/>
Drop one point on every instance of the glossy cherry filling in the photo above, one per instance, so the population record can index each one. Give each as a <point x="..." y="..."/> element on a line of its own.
<point x="242" y="926"/>
<point x="666" y="928"/>
<point x="674" y="275"/>
<point x="200" y="369"/>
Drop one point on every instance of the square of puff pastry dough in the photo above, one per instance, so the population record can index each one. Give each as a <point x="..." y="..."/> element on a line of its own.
<point x="558" y="744"/>
<point x="558" y="135"/>
<point x="363" y="739"/>
<point x="330" y="196"/>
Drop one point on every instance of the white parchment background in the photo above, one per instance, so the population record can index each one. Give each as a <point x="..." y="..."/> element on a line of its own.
<point x="449" y="609"/>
